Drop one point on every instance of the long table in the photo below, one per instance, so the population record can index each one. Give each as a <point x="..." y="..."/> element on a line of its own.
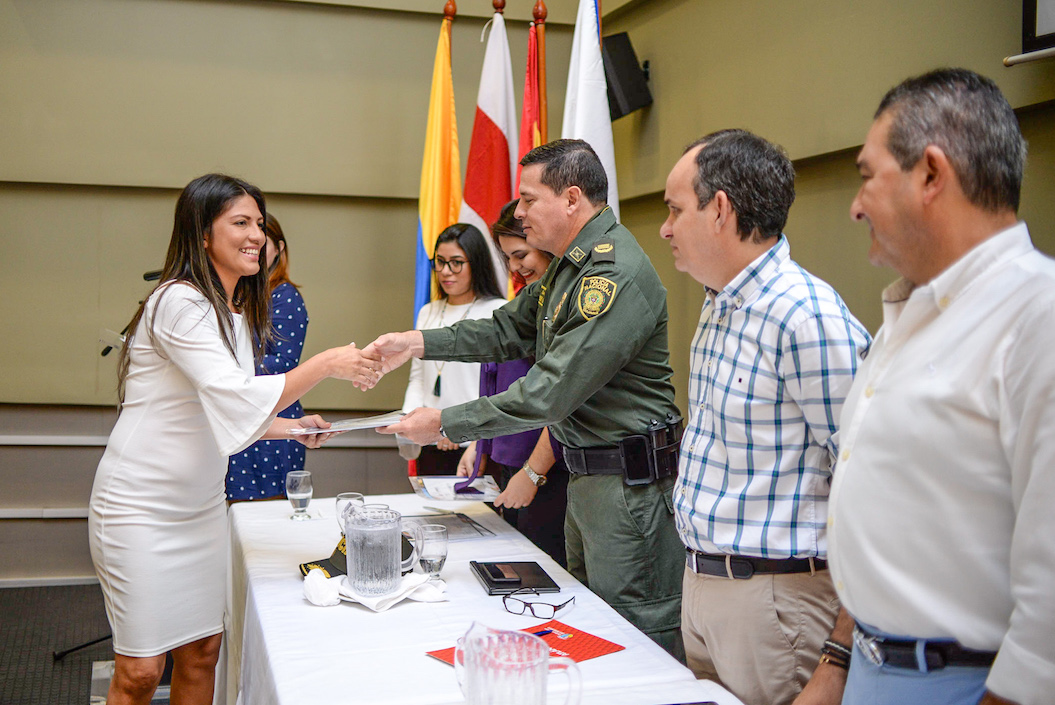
<point x="282" y="650"/>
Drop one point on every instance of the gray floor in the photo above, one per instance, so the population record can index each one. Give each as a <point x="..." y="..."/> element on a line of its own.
<point x="34" y="622"/>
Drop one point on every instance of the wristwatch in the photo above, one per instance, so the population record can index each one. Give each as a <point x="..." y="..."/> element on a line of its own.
<point x="442" y="432"/>
<point x="538" y="480"/>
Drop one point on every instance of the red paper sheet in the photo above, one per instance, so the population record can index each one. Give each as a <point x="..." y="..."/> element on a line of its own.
<point x="562" y="639"/>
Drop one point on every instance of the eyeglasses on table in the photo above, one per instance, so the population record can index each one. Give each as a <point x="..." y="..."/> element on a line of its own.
<point x="540" y="610"/>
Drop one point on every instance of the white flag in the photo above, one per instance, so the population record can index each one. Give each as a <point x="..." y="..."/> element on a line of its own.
<point x="586" y="115"/>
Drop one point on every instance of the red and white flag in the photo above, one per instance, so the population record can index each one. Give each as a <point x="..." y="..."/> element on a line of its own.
<point x="491" y="168"/>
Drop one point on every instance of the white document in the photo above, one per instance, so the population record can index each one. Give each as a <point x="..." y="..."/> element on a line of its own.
<point x="352" y="424"/>
<point x="482" y="489"/>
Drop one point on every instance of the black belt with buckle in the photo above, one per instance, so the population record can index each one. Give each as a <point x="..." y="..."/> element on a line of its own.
<point x="743" y="567"/>
<point x="905" y="653"/>
<point x="593" y="461"/>
<point x="641" y="458"/>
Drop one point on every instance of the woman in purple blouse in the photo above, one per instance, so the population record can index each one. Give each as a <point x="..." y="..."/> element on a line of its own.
<point x="528" y="465"/>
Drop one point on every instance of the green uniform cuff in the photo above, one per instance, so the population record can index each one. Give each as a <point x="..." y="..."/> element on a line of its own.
<point x="439" y="344"/>
<point x="455" y="422"/>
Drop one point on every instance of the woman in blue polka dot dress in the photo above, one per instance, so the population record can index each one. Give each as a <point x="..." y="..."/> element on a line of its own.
<point x="259" y="472"/>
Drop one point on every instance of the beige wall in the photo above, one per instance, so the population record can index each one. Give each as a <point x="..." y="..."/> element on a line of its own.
<point x="108" y="107"/>
<point x="826" y="242"/>
<point x="809" y="75"/>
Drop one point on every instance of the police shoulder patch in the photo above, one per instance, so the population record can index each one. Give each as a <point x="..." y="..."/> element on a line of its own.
<point x="595" y="296"/>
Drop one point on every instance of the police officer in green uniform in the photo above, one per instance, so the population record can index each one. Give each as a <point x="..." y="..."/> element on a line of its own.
<point x="596" y="324"/>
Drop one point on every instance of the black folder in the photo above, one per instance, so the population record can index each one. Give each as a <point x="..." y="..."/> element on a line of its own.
<point x="515" y="575"/>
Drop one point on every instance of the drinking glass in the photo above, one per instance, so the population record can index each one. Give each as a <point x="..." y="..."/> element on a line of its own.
<point x="343" y="500"/>
<point x="432" y="548"/>
<point x="298" y="490"/>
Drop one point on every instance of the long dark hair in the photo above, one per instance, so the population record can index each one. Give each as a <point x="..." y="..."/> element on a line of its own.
<point x="202" y="202"/>
<point x="508" y="225"/>
<point x="471" y="240"/>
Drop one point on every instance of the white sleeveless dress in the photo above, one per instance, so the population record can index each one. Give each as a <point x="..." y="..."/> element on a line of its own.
<point x="157" y="519"/>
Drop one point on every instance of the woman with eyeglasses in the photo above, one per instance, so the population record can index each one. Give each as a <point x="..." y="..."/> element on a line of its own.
<point x="529" y="466"/>
<point x="467" y="289"/>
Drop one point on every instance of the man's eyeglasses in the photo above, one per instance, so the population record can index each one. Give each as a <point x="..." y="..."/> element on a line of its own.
<point x="541" y="610"/>
<point x="455" y="264"/>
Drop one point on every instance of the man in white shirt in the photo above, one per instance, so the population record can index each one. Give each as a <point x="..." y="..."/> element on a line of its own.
<point x="941" y="527"/>
<point x="773" y="358"/>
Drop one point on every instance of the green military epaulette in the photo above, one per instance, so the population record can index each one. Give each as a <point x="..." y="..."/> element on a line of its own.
<point x="603" y="251"/>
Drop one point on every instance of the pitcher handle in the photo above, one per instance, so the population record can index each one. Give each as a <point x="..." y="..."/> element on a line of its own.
<point x="571" y="669"/>
<point x="415" y="542"/>
<point x="459" y="664"/>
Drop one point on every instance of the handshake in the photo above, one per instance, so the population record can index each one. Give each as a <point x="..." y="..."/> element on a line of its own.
<point x="364" y="368"/>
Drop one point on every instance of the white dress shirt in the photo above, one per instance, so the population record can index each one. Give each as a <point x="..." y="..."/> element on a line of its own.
<point x="942" y="513"/>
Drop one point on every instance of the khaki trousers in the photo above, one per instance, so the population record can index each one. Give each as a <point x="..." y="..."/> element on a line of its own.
<point x="761" y="638"/>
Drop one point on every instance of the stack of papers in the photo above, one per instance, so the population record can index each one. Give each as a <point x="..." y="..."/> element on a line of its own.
<point x="352" y="424"/>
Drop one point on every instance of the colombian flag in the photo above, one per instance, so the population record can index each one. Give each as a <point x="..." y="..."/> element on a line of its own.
<point x="440" y="197"/>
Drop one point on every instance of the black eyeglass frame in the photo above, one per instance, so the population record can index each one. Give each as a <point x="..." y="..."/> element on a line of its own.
<point x="456" y="265"/>
<point x="530" y="606"/>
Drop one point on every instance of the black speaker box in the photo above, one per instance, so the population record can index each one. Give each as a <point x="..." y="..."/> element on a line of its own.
<point x="627" y="88"/>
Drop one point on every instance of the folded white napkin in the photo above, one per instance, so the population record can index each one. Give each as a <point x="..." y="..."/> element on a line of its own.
<point x="320" y="590"/>
<point x="324" y="592"/>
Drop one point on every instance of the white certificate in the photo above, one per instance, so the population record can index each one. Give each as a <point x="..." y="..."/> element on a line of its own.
<point x="352" y="424"/>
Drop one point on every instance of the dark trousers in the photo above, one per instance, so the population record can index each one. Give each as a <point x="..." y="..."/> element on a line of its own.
<point x="434" y="461"/>
<point x="542" y="521"/>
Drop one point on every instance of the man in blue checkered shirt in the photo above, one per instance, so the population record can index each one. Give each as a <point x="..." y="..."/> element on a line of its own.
<point x="772" y="360"/>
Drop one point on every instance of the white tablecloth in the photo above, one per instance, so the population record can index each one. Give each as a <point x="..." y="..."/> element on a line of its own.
<point x="283" y="650"/>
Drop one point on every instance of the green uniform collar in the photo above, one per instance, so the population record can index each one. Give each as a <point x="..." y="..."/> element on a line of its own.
<point x="578" y="252"/>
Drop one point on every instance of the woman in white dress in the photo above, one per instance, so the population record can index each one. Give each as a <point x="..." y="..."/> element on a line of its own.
<point x="189" y="399"/>
<point x="467" y="288"/>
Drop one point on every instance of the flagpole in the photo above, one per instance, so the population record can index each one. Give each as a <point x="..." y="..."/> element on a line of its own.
<point x="450" y="10"/>
<point x="539" y="13"/>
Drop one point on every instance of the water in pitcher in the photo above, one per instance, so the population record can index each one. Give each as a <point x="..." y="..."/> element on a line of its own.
<point x="374" y="551"/>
